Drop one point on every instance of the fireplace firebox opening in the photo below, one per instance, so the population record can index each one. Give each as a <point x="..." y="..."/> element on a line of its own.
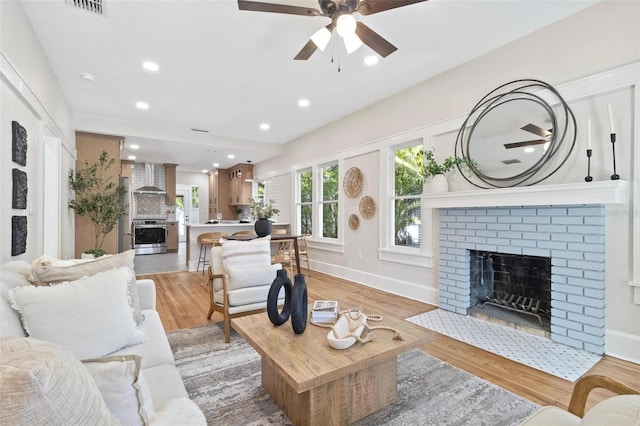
<point x="511" y="288"/>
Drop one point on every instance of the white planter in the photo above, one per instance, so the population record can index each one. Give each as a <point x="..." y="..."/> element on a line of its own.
<point x="87" y="256"/>
<point x="437" y="185"/>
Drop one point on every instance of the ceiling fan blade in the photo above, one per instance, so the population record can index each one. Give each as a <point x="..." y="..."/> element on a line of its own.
<point x="257" y="6"/>
<point x="374" y="40"/>
<point x="306" y="51"/>
<point x="369" y="7"/>
<point x="525" y="143"/>
<point x="537" y="130"/>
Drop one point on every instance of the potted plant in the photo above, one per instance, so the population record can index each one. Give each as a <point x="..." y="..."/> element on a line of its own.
<point x="434" y="172"/>
<point x="262" y="213"/>
<point x="98" y="198"/>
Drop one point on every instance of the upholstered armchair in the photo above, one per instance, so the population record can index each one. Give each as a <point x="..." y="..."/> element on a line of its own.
<point x="240" y="275"/>
<point x="620" y="410"/>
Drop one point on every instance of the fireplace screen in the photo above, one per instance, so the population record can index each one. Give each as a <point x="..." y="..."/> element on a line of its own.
<point x="511" y="282"/>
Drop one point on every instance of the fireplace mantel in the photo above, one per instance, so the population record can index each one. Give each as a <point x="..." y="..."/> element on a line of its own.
<point x="603" y="192"/>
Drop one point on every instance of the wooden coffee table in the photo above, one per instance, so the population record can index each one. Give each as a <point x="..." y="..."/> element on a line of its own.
<point x="315" y="384"/>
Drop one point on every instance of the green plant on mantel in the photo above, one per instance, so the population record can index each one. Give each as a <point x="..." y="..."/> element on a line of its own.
<point x="97" y="197"/>
<point x="263" y="211"/>
<point x="430" y="167"/>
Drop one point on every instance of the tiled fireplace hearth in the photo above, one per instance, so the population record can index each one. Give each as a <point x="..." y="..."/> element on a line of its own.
<point x="565" y="223"/>
<point x="573" y="236"/>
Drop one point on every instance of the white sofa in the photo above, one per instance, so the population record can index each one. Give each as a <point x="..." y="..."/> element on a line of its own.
<point x="157" y="362"/>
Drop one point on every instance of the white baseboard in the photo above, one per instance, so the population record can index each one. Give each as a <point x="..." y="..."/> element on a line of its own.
<point x="624" y="346"/>
<point x="389" y="285"/>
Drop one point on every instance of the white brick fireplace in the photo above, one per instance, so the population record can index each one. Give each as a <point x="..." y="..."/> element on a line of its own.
<point x="566" y="223"/>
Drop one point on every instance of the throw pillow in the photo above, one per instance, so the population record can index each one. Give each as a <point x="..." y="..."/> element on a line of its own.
<point x="43" y="384"/>
<point x="90" y="317"/>
<point x="179" y="411"/>
<point x="246" y="253"/>
<point x="45" y="272"/>
<point x="251" y="276"/>
<point x="123" y="388"/>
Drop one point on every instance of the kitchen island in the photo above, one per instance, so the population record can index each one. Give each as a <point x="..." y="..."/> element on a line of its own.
<point x="228" y="226"/>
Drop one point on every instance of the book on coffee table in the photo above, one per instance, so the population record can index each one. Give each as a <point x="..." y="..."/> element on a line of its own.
<point x="324" y="311"/>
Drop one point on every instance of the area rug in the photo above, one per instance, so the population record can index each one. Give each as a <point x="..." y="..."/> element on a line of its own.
<point x="224" y="380"/>
<point x="535" y="351"/>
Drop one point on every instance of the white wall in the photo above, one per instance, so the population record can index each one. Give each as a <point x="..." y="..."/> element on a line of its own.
<point x="600" y="38"/>
<point x="30" y="94"/>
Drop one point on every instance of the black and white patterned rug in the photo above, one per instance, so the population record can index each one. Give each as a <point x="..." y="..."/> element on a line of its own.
<point x="224" y="380"/>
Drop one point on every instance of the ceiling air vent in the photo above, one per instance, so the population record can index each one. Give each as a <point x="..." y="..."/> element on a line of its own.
<point x="94" y="6"/>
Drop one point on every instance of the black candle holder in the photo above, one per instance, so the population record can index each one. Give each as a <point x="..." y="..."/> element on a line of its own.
<point x="614" y="176"/>
<point x="588" y="178"/>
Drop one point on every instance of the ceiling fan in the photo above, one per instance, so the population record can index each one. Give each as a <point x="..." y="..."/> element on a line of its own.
<point x="536" y="130"/>
<point x="341" y="13"/>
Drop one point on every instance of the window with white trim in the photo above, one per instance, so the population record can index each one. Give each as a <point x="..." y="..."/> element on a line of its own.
<point x="328" y="200"/>
<point x="304" y="201"/>
<point x="407" y="190"/>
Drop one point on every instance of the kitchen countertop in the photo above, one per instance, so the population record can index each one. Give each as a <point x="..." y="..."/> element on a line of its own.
<point x="227" y="223"/>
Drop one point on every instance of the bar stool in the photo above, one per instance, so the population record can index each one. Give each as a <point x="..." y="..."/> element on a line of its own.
<point x="206" y="241"/>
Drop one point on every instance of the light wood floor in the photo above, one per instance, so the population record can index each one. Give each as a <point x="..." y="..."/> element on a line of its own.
<point x="183" y="302"/>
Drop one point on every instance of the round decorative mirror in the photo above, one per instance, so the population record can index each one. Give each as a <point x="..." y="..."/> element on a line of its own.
<point x="519" y="134"/>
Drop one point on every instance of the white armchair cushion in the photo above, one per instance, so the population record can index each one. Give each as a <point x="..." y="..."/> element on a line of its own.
<point x="246" y="253"/>
<point x="251" y="276"/>
<point x="621" y="410"/>
<point x="89" y="317"/>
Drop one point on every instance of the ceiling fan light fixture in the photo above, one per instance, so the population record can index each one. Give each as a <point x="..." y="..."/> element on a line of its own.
<point x="346" y="25"/>
<point x="352" y="43"/>
<point x="321" y="38"/>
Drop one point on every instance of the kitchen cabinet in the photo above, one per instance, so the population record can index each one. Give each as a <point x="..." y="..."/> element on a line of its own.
<point x="172" y="236"/>
<point x="240" y="187"/>
<point x="218" y="190"/>
<point x="170" y="176"/>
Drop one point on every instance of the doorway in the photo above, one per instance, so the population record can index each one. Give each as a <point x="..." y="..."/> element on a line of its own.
<point x="187" y="208"/>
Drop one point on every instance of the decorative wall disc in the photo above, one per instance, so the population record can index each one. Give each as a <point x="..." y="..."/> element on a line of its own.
<point x="367" y="207"/>
<point x="354" y="222"/>
<point x="352" y="183"/>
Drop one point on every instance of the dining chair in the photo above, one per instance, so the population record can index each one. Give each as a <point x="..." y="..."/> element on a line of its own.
<point x="303" y="250"/>
<point x="283" y="252"/>
<point x="206" y="241"/>
<point x="244" y="233"/>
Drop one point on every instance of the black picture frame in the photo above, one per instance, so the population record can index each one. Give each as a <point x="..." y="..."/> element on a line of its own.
<point x="18" y="235"/>
<point x="19" y="144"/>
<point x="20" y="189"/>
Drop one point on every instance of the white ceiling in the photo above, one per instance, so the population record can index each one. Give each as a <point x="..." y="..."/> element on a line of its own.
<point x="226" y="70"/>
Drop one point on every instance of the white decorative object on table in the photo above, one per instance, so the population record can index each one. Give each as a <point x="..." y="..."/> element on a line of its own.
<point x="346" y="331"/>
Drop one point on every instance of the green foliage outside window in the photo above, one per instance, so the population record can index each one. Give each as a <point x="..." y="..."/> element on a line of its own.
<point x="330" y="201"/>
<point x="407" y="209"/>
<point x="306" y="209"/>
<point x="195" y="200"/>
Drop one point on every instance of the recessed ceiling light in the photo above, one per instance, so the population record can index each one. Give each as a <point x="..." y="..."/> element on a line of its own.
<point x="265" y="126"/>
<point x="150" y="66"/>
<point x="231" y="156"/>
<point x="131" y="157"/>
<point x="87" y="76"/>
<point x="371" y="60"/>
<point x="134" y="146"/>
<point x="142" y="105"/>
<point x="529" y="149"/>
<point x="205" y="171"/>
<point x="303" y="103"/>
<point x="216" y="164"/>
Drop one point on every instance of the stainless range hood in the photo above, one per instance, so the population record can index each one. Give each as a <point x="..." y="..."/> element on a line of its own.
<point x="149" y="188"/>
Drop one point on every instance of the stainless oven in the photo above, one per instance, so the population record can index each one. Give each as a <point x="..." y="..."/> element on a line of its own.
<point x="150" y="236"/>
